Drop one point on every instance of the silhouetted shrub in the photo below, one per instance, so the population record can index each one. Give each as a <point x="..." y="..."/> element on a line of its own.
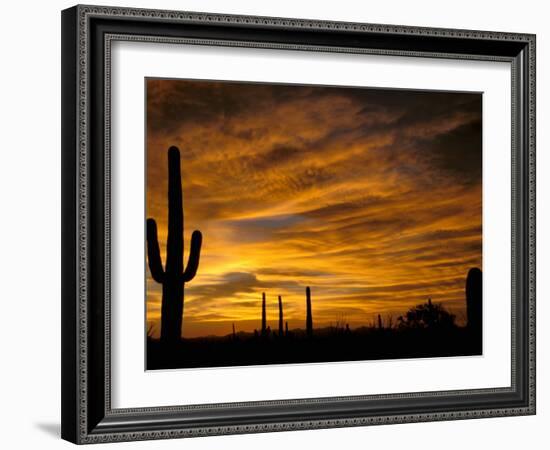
<point x="427" y="316"/>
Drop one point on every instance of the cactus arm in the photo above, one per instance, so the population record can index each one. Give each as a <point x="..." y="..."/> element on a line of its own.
<point x="194" y="256"/>
<point x="153" y="252"/>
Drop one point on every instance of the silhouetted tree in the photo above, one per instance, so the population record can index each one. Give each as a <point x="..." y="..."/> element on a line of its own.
<point x="309" y="318"/>
<point x="427" y="316"/>
<point x="172" y="277"/>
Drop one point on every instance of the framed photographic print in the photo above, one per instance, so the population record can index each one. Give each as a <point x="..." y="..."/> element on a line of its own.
<point x="280" y="224"/>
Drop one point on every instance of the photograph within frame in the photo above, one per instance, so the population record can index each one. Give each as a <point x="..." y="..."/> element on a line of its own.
<point x="339" y="223"/>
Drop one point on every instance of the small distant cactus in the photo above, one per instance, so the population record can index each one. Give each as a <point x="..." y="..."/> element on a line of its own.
<point x="172" y="277"/>
<point x="264" y="319"/>
<point x="309" y="318"/>
<point x="280" y="316"/>
<point x="286" y="328"/>
<point x="474" y="304"/>
<point x="380" y="326"/>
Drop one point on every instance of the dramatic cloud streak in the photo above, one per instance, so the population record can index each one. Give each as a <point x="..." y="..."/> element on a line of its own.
<point x="370" y="196"/>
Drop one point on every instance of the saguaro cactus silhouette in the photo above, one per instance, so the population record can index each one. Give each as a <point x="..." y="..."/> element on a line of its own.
<point x="264" y="329"/>
<point x="280" y="316"/>
<point x="172" y="277"/>
<point x="309" y="318"/>
<point x="474" y="300"/>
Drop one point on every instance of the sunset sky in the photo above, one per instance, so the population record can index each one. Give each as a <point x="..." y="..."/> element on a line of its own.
<point x="372" y="197"/>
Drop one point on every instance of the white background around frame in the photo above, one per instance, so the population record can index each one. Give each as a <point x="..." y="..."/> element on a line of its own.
<point x="31" y="210"/>
<point x="134" y="387"/>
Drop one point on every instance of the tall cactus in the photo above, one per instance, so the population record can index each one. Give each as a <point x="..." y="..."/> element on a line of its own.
<point x="280" y="316"/>
<point x="172" y="277"/>
<point x="474" y="300"/>
<point x="309" y="319"/>
<point x="264" y="328"/>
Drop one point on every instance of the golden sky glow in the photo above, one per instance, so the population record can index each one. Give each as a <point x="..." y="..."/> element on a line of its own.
<point x="371" y="197"/>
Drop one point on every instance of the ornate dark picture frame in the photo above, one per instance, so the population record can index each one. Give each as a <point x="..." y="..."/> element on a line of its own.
<point x="87" y="34"/>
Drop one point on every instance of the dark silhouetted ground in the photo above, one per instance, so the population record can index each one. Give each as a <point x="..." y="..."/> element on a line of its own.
<point x="326" y="345"/>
